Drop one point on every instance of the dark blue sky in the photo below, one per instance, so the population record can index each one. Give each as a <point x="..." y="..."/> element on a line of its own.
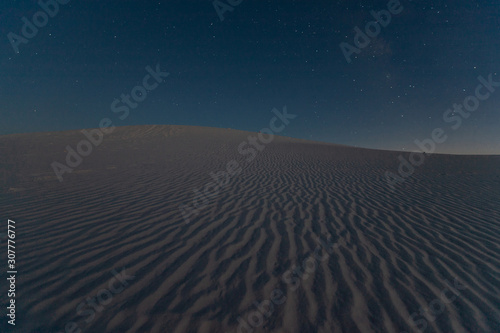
<point x="264" y="54"/>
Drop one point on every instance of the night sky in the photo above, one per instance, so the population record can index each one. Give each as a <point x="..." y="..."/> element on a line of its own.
<point x="264" y="54"/>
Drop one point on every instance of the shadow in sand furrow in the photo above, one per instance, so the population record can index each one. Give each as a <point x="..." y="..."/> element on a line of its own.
<point x="380" y="283"/>
<point x="238" y="231"/>
<point x="283" y="261"/>
<point x="356" y="274"/>
<point x="66" y="280"/>
<point x="100" y="248"/>
<point x="58" y="278"/>
<point x="196" y="273"/>
<point x="452" y="258"/>
<point x="86" y="289"/>
<point x="464" y="249"/>
<point x="343" y="298"/>
<point x="82" y="223"/>
<point x="260" y="279"/>
<point x="221" y="248"/>
<point x="374" y="315"/>
<point x="202" y="227"/>
<point x="244" y="249"/>
<point x="124" y="324"/>
<point x="318" y="293"/>
<point x="466" y="317"/>
<point x="297" y="226"/>
<point x="235" y="288"/>
<point x="165" y="300"/>
<point x="187" y="302"/>
<point x="221" y="268"/>
<point x="262" y="252"/>
<point x="402" y="269"/>
<point x="212" y="230"/>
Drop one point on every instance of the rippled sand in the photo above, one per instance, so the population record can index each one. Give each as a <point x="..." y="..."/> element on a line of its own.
<point x="395" y="252"/>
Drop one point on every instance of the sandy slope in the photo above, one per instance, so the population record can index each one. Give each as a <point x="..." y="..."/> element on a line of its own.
<point x="394" y="250"/>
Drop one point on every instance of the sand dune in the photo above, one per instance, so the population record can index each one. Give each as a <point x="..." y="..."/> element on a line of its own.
<point x="395" y="253"/>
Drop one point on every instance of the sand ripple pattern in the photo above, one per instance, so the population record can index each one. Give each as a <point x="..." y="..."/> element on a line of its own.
<point x="119" y="209"/>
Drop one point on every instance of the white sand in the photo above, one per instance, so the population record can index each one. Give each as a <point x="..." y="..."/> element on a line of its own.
<point x="119" y="208"/>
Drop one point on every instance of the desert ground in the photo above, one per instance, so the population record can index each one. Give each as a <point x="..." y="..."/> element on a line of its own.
<point x="305" y="237"/>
